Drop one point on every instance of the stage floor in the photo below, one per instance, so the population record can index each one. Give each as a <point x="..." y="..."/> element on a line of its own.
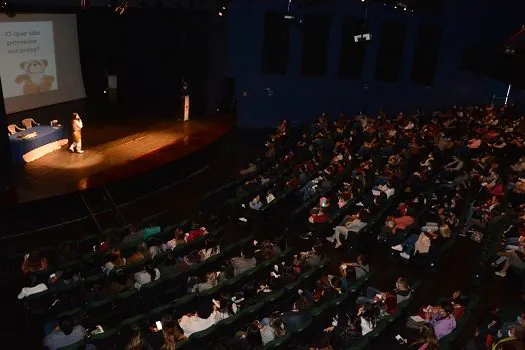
<point x="114" y="151"/>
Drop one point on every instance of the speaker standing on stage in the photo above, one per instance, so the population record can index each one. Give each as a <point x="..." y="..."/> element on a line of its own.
<point x="76" y="125"/>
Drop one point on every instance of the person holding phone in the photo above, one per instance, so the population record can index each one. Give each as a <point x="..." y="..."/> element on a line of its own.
<point x="76" y="126"/>
<point x="166" y="334"/>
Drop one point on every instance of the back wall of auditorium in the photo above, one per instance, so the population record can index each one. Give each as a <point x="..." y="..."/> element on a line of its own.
<point x="299" y="67"/>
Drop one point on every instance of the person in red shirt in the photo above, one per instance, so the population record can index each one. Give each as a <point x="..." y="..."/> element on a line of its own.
<point x="195" y="232"/>
<point x="318" y="216"/>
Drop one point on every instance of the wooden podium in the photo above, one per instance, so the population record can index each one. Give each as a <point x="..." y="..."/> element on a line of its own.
<point x="186" y="107"/>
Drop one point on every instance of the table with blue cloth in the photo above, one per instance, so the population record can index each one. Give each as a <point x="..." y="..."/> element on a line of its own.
<point x="47" y="139"/>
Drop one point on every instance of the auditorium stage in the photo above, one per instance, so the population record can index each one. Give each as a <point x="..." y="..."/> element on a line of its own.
<point x="115" y="151"/>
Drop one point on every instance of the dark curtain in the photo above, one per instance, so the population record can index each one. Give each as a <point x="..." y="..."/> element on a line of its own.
<point x="149" y="51"/>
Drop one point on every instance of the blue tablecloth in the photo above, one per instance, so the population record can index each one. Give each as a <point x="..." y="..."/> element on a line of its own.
<point x="45" y="134"/>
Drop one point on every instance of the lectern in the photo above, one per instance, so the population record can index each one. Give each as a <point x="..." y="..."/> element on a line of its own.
<point x="186" y="106"/>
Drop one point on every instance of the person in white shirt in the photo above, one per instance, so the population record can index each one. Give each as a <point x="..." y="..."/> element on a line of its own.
<point x="146" y="276"/>
<point x="369" y="315"/>
<point x="32" y="289"/>
<point x="193" y="323"/>
<point x="76" y="125"/>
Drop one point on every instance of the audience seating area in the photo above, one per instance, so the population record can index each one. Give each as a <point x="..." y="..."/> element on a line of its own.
<point x="287" y="255"/>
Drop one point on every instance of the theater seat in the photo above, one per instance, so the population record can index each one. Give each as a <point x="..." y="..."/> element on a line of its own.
<point x="104" y="341"/>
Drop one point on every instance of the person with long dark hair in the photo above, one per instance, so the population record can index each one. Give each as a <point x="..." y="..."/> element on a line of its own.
<point x="347" y="333"/>
<point x="426" y="339"/>
<point x="137" y="341"/>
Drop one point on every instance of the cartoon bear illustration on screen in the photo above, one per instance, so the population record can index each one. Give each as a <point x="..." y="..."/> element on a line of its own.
<point x="34" y="78"/>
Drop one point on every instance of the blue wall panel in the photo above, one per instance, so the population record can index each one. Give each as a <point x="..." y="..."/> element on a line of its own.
<point x="264" y="100"/>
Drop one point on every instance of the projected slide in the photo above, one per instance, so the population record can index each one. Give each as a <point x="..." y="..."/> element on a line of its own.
<point x="27" y="58"/>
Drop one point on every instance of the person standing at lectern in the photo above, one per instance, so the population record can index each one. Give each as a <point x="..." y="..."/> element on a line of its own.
<point x="76" y="125"/>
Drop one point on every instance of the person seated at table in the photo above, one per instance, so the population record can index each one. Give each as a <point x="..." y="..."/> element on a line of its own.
<point x="34" y="262"/>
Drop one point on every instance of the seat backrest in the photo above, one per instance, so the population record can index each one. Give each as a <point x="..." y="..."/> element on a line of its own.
<point x="28" y="122"/>
<point x="11" y="128"/>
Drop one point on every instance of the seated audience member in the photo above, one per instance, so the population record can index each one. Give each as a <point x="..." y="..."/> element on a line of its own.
<point x="193" y="323"/>
<point x="354" y="270"/>
<point x="34" y="262"/>
<point x="121" y="283"/>
<point x="178" y="238"/>
<point x="293" y="319"/>
<point x="313" y="257"/>
<point x="351" y="223"/>
<point x="426" y="339"/>
<point x="63" y="278"/>
<point x="116" y="261"/>
<point x="443" y="320"/>
<point x="347" y="332"/>
<point x="270" y="329"/>
<point x="318" y="216"/>
<point x="169" y="337"/>
<point x="252" y="167"/>
<point x="515" y="340"/>
<point x="369" y="315"/>
<point x="393" y="225"/>
<point x="65" y="334"/>
<point x="137" y="339"/>
<point x="65" y="254"/>
<point x="519" y="321"/>
<point x="188" y="261"/>
<point x="33" y="287"/>
<point x="150" y="273"/>
<point x="142" y="253"/>
<point x="168" y="264"/>
<point x="154" y="247"/>
<point x="195" y="232"/>
<point x="515" y="258"/>
<point x="209" y="283"/>
<point x="256" y="203"/>
<point x="402" y="292"/>
<point x="244" y="262"/>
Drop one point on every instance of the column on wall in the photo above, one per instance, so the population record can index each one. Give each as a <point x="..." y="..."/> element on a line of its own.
<point x="5" y="150"/>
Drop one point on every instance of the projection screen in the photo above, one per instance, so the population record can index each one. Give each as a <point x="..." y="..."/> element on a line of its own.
<point x="39" y="60"/>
